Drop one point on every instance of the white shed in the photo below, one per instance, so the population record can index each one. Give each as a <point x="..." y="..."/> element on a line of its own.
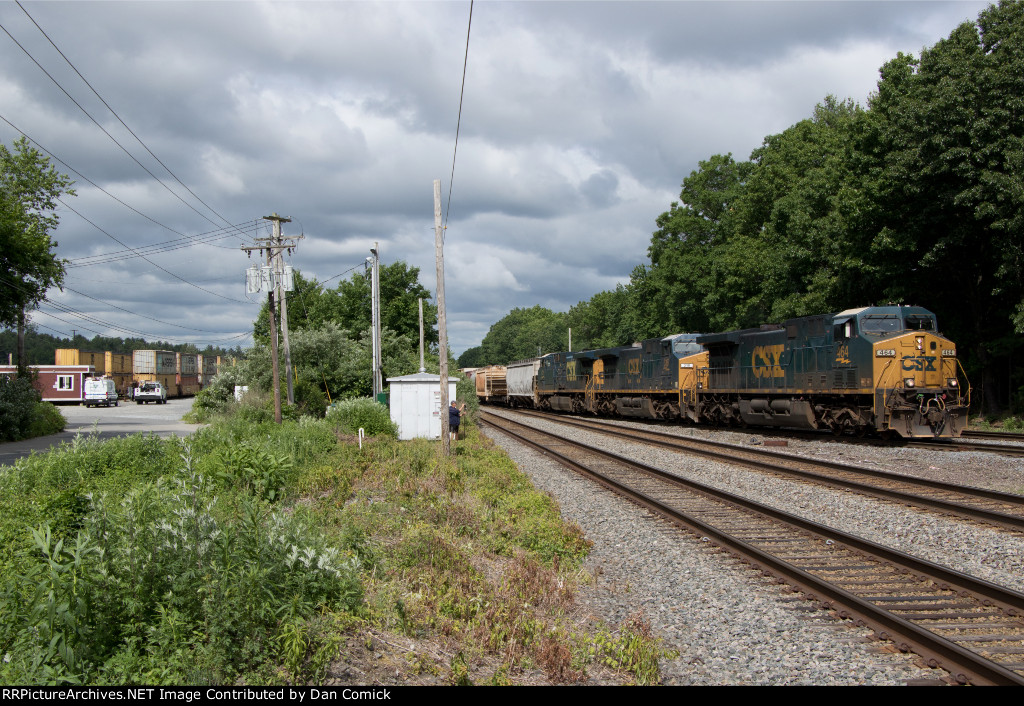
<point x="416" y="405"/>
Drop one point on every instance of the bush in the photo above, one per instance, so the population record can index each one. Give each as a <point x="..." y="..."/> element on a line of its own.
<point x="215" y="398"/>
<point x="162" y="585"/>
<point x="365" y="413"/>
<point x="46" y="419"/>
<point x="22" y="414"/>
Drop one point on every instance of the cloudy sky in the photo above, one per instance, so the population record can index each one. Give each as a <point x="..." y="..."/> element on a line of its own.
<point x="580" y="121"/>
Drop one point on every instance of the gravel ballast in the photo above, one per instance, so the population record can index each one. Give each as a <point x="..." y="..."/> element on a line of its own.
<point x="729" y="624"/>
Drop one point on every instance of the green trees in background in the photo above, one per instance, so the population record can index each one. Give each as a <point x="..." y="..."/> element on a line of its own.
<point x="917" y="198"/>
<point x="329" y="334"/>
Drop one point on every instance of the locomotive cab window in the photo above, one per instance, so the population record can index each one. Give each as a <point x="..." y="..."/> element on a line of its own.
<point x="920" y="323"/>
<point x="685" y="348"/>
<point x="844" y="329"/>
<point x="881" y="324"/>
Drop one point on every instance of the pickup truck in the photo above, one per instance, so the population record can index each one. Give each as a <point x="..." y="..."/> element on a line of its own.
<point x="151" y="392"/>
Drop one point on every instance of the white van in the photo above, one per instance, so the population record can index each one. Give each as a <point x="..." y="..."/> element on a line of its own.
<point x="100" y="391"/>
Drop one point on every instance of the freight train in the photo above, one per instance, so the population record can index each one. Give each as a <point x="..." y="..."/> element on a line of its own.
<point x="181" y="374"/>
<point x="875" y="370"/>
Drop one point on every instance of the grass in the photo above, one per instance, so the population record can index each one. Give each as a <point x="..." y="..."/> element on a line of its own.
<point x="261" y="554"/>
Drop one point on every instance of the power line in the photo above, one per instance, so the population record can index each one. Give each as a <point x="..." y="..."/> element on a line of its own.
<point x="134" y="313"/>
<point x="166" y="246"/>
<point x="64" y="308"/>
<point x="94" y="184"/>
<point x="105" y="132"/>
<point x="164" y="269"/>
<point x="458" y="123"/>
<point x="139" y="139"/>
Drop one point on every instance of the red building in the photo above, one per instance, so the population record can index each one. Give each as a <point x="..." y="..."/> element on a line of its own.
<point x="57" y="383"/>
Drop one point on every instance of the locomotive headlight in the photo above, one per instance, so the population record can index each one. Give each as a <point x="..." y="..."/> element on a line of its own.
<point x="951" y="382"/>
<point x="908" y="382"/>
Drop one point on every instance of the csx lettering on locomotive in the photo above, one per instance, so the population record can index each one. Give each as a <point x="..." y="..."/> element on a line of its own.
<point x="767" y="361"/>
<point x="922" y="362"/>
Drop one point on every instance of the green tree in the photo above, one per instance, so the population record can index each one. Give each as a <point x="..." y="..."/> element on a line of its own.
<point x="29" y="190"/>
<point x="400" y="291"/>
<point x="330" y="359"/>
<point x="950" y="127"/>
<point x="690" y="285"/>
<point x="472" y="358"/>
<point x="310" y="305"/>
<point x="522" y="332"/>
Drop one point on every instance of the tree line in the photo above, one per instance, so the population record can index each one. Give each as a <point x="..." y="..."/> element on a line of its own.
<point x="40" y="348"/>
<point x="329" y="336"/>
<point x="915" y="198"/>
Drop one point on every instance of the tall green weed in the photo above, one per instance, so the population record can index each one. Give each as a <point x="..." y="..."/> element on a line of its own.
<point x="363" y="412"/>
<point x="168" y="586"/>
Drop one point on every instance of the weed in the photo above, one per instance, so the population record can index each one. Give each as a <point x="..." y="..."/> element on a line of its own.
<point x="459" y="671"/>
<point x="555" y="658"/>
<point x="634" y="649"/>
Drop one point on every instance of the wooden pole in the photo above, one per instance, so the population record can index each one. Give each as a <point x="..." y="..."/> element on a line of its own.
<point x="442" y="328"/>
<point x="273" y="352"/>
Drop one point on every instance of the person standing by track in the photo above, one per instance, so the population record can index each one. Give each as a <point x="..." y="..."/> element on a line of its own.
<point x="454" y="418"/>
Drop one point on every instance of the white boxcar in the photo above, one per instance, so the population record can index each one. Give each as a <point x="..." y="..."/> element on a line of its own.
<point x="520" y="380"/>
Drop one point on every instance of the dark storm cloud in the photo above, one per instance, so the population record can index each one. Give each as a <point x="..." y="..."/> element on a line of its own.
<point x="579" y="123"/>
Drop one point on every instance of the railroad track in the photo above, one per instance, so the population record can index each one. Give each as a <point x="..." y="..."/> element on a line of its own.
<point x="963" y="443"/>
<point x="1005" y="435"/>
<point x="971" y="628"/>
<point x="1003" y="510"/>
<point x="966" y="445"/>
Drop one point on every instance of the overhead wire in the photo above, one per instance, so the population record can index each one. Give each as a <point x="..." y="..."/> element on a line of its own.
<point x="136" y="252"/>
<point x="114" y="113"/>
<point x="104" y="130"/>
<point x="458" y="123"/>
<point x="207" y="238"/>
<point x="98" y="187"/>
<point x="163" y="269"/>
<point x="64" y="308"/>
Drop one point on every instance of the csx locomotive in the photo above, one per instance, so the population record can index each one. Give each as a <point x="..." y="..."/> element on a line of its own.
<point x="881" y="370"/>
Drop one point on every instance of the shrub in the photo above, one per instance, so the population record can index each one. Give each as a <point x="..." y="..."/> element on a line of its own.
<point x="364" y="413"/>
<point x="162" y="587"/>
<point x="217" y="397"/>
<point x="18" y="401"/>
<point x="46" y="419"/>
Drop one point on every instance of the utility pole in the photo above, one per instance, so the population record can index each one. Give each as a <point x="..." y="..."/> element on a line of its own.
<point x="378" y="381"/>
<point x="283" y="298"/>
<point x="272" y="281"/>
<point x="423" y="368"/>
<point x="442" y="326"/>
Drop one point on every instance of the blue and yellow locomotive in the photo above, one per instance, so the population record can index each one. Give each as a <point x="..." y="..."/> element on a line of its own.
<point x="882" y="370"/>
<point x="879" y="369"/>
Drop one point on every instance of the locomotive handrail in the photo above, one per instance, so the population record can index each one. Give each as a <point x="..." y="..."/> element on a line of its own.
<point x="881" y="373"/>
<point x="968" y="381"/>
